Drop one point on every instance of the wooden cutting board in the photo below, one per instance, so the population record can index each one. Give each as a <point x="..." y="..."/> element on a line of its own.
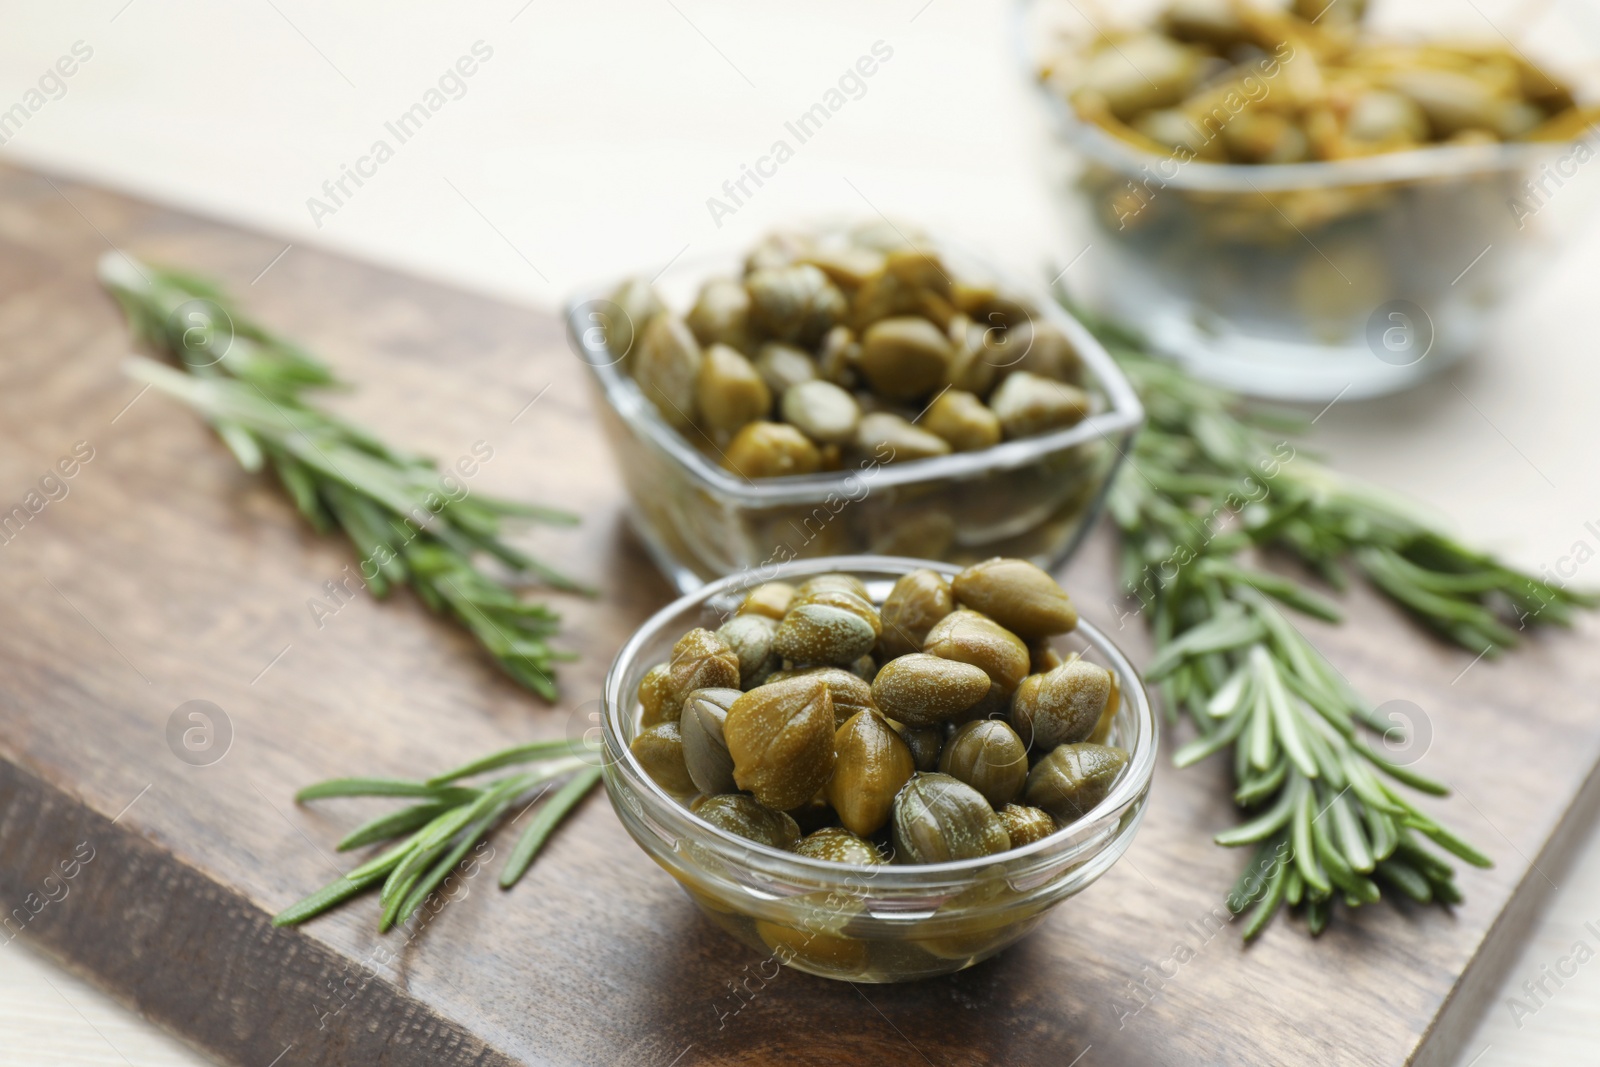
<point x="166" y="575"/>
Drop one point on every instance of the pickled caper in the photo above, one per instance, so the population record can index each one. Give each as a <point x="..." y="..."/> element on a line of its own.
<point x="849" y="691"/>
<point x="904" y="357"/>
<point x="796" y="304"/>
<point x="748" y="818"/>
<point x="920" y="689"/>
<point x="872" y="764"/>
<point x="1028" y="404"/>
<point x="822" y="411"/>
<point x="700" y="660"/>
<point x="1018" y="595"/>
<point x="705" y="750"/>
<point x="667" y="368"/>
<point x="1026" y="825"/>
<point x="889" y="438"/>
<point x="781" y="738"/>
<point x="968" y="636"/>
<point x="655" y="696"/>
<point x="721" y="314"/>
<point x="926" y="744"/>
<point x="771" y="450"/>
<point x="917" y="601"/>
<point x="938" y="818"/>
<point x="659" y="750"/>
<point x="1069" y="781"/>
<point x="838" y="845"/>
<point x="812" y="634"/>
<point x="990" y="757"/>
<point x="1061" y="707"/>
<point x="962" y="421"/>
<point x="750" y="638"/>
<point x="728" y="392"/>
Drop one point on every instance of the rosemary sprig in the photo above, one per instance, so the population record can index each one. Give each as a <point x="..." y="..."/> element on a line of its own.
<point x="1211" y="488"/>
<point x="447" y="821"/>
<point x="410" y="525"/>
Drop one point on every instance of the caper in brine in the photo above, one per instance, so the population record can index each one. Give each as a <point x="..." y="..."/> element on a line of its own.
<point x="705" y="751"/>
<point x="1070" y="780"/>
<point x="849" y="691"/>
<point x="636" y="303"/>
<point x="1026" y="825"/>
<point x="962" y="421"/>
<point x="926" y="744"/>
<point x="783" y="367"/>
<point x="905" y="357"/>
<point x="700" y="660"/>
<point x="836" y="361"/>
<point x="667" y="367"/>
<point x="889" y="438"/>
<point x="771" y="450"/>
<point x="728" y="392"/>
<point x="659" y="750"/>
<point x="1061" y="707"/>
<point x="971" y="637"/>
<point x="1027" y="405"/>
<point x="655" y="696"/>
<point x="990" y="757"/>
<point x="750" y="637"/>
<point x="824" y="634"/>
<point x="1018" y="595"/>
<point x="917" y="601"/>
<point x="838" y="845"/>
<point x="938" y="819"/>
<point x="796" y="304"/>
<point x="1036" y="347"/>
<point x="871" y="764"/>
<point x="920" y="689"/>
<point x="748" y="818"/>
<point x="781" y="738"/>
<point x="721" y="314"/>
<point x="822" y="411"/>
<point x="770" y="599"/>
<point x="833" y="580"/>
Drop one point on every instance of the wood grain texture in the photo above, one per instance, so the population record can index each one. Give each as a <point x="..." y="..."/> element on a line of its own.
<point x="167" y="575"/>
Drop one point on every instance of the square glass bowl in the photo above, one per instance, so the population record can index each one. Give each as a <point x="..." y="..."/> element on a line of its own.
<point x="1310" y="281"/>
<point x="1033" y="498"/>
<point x="892" y="923"/>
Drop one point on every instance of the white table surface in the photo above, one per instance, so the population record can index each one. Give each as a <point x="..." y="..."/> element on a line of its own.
<point x="588" y="143"/>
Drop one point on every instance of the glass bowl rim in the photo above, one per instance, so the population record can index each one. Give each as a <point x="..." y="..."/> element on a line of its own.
<point x="1082" y="834"/>
<point x="1124" y="414"/>
<point x="1435" y="161"/>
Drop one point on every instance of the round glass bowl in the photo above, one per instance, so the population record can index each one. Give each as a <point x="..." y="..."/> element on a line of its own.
<point x="891" y="923"/>
<point x="1033" y="498"/>
<point x="1311" y="281"/>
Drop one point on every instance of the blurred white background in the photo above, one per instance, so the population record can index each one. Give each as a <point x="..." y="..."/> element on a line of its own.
<point x="587" y="144"/>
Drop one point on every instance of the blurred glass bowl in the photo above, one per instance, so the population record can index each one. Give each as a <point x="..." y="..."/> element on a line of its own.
<point x="1033" y="498"/>
<point x="1311" y="281"/>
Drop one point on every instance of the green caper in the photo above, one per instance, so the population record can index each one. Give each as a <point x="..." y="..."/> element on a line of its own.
<point x="771" y="450"/>
<point x="728" y="392"/>
<point x="1062" y="707"/>
<point x="1026" y="825"/>
<point x="797" y="304"/>
<point x="967" y="636"/>
<point x="911" y="282"/>
<point x="783" y="367"/>
<point x="655" y="696"/>
<point x="920" y="689"/>
<point x="889" y="438"/>
<point x="962" y="421"/>
<point x="636" y="304"/>
<point x="972" y="365"/>
<point x="700" y="660"/>
<point x="926" y="744"/>
<point x="917" y="601"/>
<point x="849" y="691"/>
<point x="849" y="583"/>
<point x="872" y="764"/>
<point x="781" y="738"/>
<point x="837" y="360"/>
<point x="996" y="704"/>
<point x="705" y="751"/>
<point x="659" y="750"/>
<point x="822" y="411"/>
<point x="1154" y="71"/>
<point x="1069" y="781"/>
<point x="750" y="637"/>
<point x="667" y="368"/>
<point x="748" y="818"/>
<point x="938" y="819"/>
<point x="721" y="314"/>
<point x="990" y="757"/>
<point x="1027" y="405"/>
<point x="1036" y="347"/>
<point x="838" y="845"/>
<point x="770" y="599"/>
<point x="824" y="634"/>
<point x="1017" y="595"/>
<point x="904" y="357"/>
